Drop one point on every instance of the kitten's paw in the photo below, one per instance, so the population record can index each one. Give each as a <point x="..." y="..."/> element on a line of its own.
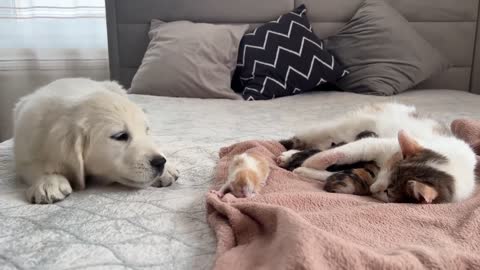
<point x="218" y="193"/>
<point x="49" y="189"/>
<point x="285" y="157"/>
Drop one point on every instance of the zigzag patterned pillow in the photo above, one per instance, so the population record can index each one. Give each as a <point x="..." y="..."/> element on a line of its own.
<point x="282" y="58"/>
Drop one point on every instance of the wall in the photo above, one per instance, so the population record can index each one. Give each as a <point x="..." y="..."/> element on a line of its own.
<point x="17" y="83"/>
<point x="44" y="40"/>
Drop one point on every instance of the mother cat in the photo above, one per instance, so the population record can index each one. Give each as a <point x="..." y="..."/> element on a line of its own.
<point x="420" y="161"/>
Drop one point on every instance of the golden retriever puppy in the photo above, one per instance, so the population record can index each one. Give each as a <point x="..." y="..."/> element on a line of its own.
<point x="71" y="129"/>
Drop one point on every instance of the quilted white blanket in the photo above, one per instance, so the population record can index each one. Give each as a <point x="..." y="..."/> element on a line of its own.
<point x="165" y="228"/>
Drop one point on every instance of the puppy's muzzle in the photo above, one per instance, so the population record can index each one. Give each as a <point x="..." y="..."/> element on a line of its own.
<point x="158" y="163"/>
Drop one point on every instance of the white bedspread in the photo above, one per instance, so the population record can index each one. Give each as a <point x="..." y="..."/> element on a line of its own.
<point x="165" y="228"/>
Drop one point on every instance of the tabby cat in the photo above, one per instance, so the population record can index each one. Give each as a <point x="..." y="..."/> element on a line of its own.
<point x="419" y="160"/>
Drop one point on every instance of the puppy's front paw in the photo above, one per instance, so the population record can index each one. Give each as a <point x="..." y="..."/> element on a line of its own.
<point x="285" y="157"/>
<point x="49" y="189"/>
<point x="169" y="176"/>
<point x="173" y="173"/>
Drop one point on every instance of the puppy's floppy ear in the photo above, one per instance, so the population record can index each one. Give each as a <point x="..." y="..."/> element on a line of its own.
<point x="408" y="144"/>
<point x="421" y="191"/>
<point x="73" y="148"/>
<point x="114" y="87"/>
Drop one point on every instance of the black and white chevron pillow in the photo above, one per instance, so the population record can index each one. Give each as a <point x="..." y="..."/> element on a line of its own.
<point x="282" y="58"/>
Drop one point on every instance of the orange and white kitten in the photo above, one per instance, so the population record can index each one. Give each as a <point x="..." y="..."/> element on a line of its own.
<point x="247" y="174"/>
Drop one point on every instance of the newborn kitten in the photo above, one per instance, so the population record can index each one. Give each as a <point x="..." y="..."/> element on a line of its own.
<point x="247" y="174"/>
<point x="420" y="161"/>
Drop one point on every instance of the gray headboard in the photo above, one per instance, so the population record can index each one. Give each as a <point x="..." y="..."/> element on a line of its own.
<point x="450" y="25"/>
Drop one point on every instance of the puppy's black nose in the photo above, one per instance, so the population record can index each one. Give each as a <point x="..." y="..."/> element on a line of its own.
<point x="158" y="162"/>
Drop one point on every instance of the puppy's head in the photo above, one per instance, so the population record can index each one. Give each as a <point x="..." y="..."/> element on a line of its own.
<point x="117" y="146"/>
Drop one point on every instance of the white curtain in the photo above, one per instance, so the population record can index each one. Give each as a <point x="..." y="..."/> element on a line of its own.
<point x="43" y="40"/>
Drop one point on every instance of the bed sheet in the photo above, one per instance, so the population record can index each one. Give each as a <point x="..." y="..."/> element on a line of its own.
<point x="165" y="228"/>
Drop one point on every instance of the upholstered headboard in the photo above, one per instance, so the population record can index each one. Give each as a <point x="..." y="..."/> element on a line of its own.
<point x="452" y="26"/>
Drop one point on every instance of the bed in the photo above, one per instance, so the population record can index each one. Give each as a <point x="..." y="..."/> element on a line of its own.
<point x="165" y="228"/>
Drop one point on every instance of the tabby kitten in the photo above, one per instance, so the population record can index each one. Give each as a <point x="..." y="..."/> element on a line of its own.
<point x="419" y="159"/>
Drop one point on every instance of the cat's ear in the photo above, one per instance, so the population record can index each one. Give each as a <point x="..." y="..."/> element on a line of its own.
<point x="408" y="144"/>
<point x="421" y="191"/>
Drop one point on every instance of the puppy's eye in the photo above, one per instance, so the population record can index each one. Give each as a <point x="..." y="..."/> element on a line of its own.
<point x="121" y="136"/>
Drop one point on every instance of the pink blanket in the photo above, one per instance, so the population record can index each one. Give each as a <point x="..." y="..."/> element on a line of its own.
<point x="294" y="224"/>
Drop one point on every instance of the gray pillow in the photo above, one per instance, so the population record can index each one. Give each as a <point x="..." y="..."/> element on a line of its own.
<point x="186" y="59"/>
<point x="383" y="53"/>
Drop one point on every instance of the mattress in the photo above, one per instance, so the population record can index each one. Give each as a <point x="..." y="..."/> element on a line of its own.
<point x="115" y="227"/>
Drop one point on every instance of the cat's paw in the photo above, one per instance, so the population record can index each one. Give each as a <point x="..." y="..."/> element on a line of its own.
<point x="303" y="171"/>
<point x="340" y="184"/>
<point x="378" y="187"/>
<point x="312" y="173"/>
<point x="323" y="160"/>
<point x="285" y="157"/>
<point x="381" y="196"/>
<point x="293" y="143"/>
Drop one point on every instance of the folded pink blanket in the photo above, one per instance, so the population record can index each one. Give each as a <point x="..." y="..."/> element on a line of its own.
<point x="294" y="224"/>
<point x="469" y="131"/>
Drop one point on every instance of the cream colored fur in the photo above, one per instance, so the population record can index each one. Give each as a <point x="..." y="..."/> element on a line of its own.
<point x="63" y="133"/>
<point x="247" y="174"/>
